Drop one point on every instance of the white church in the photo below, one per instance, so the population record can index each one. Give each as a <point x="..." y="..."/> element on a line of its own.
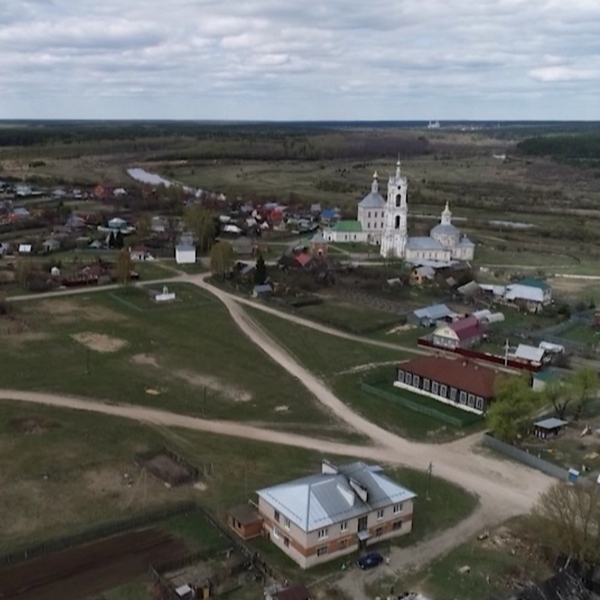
<point x="385" y="222"/>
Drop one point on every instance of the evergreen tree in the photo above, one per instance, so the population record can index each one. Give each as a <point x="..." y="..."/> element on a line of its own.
<point x="260" y="274"/>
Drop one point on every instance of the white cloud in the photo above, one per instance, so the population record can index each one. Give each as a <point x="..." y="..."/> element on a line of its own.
<point x="262" y="59"/>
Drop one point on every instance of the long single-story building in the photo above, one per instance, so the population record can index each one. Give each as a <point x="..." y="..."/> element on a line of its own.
<point x="461" y="383"/>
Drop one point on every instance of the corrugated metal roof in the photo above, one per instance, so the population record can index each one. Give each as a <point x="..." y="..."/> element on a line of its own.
<point x="537" y="283"/>
<point x="516" y="291"/>
<point x="434" y="312"/>
<point x="321" y="500"/>
<point x="551" y="423"/>
<point x="350" y="226"/>
<point x="532" y="353"/>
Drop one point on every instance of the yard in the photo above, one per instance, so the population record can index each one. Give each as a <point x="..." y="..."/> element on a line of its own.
<point x="492" y="567"/>
<point x="187" y="356"/>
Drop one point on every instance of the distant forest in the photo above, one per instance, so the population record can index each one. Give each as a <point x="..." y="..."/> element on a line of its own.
<point x="582" y="148"/>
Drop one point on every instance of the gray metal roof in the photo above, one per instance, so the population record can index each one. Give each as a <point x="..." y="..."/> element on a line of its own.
<point x="321" y="500"/>
<point x="551" y="423"/>
<point x="423" y="243"/>
<point x="372" y="200"/>
<point x="434" y="312"/>
<point x="317" y="238"/>
<point x="185" y="247"/>
<point x="465" y="242"/>
<point x="445" y="230"/>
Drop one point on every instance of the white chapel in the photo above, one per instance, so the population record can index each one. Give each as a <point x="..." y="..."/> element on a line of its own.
<point x="385" y="222"/>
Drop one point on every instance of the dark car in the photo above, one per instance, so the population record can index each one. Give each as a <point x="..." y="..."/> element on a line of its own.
<point x="370" y="561"/>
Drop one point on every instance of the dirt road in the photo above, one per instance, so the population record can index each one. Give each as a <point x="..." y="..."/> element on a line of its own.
<point x="504" y="488"/>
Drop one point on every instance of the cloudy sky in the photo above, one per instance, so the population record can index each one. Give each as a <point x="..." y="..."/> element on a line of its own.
<point x="307" y="59"/>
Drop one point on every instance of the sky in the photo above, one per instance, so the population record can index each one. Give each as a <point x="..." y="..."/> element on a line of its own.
<point x="300" y="60"/>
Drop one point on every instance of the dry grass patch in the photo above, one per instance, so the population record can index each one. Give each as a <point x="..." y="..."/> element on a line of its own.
<point x="71" y="311"/>
<point x="99" y="342"/>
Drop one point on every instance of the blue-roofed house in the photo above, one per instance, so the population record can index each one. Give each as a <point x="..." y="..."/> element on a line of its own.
<point x="321" y="517"/>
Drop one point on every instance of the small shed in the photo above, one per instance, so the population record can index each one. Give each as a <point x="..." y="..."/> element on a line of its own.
<point x="140" y="253"/>
<point x="318" y="246"/>
<point x="245" y="521"/>
<point x="262" y="291"/>
<point x="25" y="248"/>
<point x="420" y="275"/>
<point x="430" y="315"/>
<point x="185" y="592"/>
<point x="185" y="254"/>
<point x="51" y="245"/>
<point x="549" y="428"/>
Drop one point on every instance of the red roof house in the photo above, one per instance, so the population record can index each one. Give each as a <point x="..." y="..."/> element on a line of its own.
<point x="460" y="334"/>
<point x="465" y="384"/>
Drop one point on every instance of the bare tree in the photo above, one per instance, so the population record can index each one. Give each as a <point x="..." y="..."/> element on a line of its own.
<point x="567" y="520"/>
<point x="583" y="385"/>
<point x="558" y="396"/>
<point x="123" y="267"/>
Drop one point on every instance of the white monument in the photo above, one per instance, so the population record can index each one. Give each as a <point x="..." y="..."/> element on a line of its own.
<point x="165" y="296"/>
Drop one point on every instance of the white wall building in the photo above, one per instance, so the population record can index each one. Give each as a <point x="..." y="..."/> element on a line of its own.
<point x="385" y="222"/>
<point x="185" y="254"/>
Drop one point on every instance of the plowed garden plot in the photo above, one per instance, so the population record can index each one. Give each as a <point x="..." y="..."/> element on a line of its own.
<point x="87" y="570"/>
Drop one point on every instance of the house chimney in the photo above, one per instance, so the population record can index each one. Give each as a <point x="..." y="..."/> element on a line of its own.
<point x="328" y="468"/>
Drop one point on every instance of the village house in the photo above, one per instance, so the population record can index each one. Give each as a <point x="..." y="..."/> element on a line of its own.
<point x="460" y="383"/>
<point x="421" y="275"/>
<point x="321" y="517"/>
<point x="245" y="522"/>
<point x="431" y="315"/>
<point x="463" y="333"/>
<point x="317" y="246"/>
<point x="140" y="253"/>
<point x="51" y="245"/>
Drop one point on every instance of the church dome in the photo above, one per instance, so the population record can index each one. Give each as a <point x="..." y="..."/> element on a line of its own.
<point x="445" y="229"/>
<point x="374" y="199"/>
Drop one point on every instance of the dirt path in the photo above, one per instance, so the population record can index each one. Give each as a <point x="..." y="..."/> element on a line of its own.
<point x="504" y="488"/>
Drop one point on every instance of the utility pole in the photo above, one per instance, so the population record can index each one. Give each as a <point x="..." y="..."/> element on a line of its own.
<point x="429" y="470"/>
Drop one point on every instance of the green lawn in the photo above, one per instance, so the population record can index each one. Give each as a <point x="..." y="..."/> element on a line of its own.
<point x="489" y="255"/>
<point x="136" y="590"/>
<point x="187" y="357"/>
<point x="349" y="317"/>
<point x="585" y="334"/>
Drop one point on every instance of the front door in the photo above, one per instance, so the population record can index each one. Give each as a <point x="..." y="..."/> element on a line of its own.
<point x="362" y="524"/>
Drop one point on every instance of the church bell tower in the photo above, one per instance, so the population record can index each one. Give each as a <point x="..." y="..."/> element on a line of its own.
<point x="395" y="232"/>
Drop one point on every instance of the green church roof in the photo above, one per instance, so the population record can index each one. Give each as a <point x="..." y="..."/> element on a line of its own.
<point x="351" y="226"/>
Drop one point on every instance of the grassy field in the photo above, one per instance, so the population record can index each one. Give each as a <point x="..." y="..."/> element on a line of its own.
<point x="82" y="458"/>
<point x="349" y="317"/>
<point x="186" y="357"/>
<point x="344" y="364"/>
<point x="586" y="334"/>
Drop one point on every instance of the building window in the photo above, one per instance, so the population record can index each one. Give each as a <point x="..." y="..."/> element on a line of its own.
<point x="397" y="508"/>
<point x="397" y="223"/>
<point x="408" y="379"/>
<point x="479" y="404"/>
<point x="344" y="526"/>
<point x="286" y="542"/>
<point x="471" y="400"/>
<point x="463" y="397"/>
<point x="276" y="533"/>
<point x="380" y="514"/>
<point x="398" y="200"/>
<point x="397" y="525"/>
<point x="400" y="375"/>
<point x="379" y="532"/>
<point x="323" y="533"/>
<point x="434" y="387"/>
<point x="426" y="383"/>
<point x="443" y="391"/>
<point x="369" y="225"/>
<point x="453" y="394"/>
<point x="416" y="380"/>
<point x="277" y="516"/>
<point x="382" y="226"/>
<point x="343" y="544"/>
<point x="287" y="523"/>
<point x="322" y="551"/>
<point x="369" y="214"/>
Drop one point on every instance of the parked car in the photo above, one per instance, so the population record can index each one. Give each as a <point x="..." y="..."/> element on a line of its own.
<point x="370" y="561"/>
